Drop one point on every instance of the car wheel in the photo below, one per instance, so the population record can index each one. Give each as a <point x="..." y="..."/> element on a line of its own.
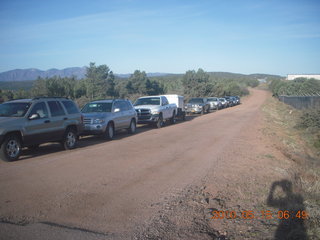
<point x="184" y="116"/>
<point x="11" y="148"/>
<point x="173" y="118"/>
<point x="202" y="111"/>
<point x="132" y="127"/>
<point x="70" y="139"/>
<point x="159" y="123"/>
<point x="109" y="133"/>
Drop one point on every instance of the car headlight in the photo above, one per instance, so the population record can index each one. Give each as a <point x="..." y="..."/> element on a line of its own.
<point x="154" y="112"/>
<point x="98" y="121"/>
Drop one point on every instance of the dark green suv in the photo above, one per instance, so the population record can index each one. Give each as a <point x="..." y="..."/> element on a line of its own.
<point x="31" y="122"/>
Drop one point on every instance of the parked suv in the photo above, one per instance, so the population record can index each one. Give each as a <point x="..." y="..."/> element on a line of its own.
<point x="224" y="102"/>
<point x="215" y="103"/>
<point x="104" y="117"/>
<point x="230" y="101"/>
<point x="237" y="99"/>
<point x="197" y="105"/>
<point x="31" y="122"/>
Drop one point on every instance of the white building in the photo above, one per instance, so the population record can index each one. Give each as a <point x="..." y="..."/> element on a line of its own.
<point x="294" y="76"/>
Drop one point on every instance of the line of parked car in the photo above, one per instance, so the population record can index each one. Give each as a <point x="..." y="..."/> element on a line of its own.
<point x="205" y="105"/>
<point x="31" y="122"/>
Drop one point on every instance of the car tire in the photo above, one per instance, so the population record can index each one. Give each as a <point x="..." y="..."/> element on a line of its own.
<point x="202" y="111"/>
<point x="159" y="123"/>
<point x="184" y="116"/>
<point x="70" y="139"/>
<point x="208" y="110"/>
<point x="109" y="133"/>
<point x="132" y="127"/>
<point x="173" y="118"/>
<point x="11" y="148"/>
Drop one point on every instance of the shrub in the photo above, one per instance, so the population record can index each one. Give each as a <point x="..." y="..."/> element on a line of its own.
<point x="310" y="119"/>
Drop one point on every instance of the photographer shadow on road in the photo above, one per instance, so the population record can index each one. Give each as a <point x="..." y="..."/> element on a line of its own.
<point x="291" y="213"/>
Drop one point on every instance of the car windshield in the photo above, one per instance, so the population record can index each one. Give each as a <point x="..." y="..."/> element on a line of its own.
<point x="196" y="100"/>
<point x="97" y="107"/>
<point x="212" y="99"/>
<point x="14" y="109"/>
<point x="148" y="101"/>
<point x="222" y="99"/>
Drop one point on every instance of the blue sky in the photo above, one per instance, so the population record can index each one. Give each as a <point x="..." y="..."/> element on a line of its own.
<point x="243" y="36"/>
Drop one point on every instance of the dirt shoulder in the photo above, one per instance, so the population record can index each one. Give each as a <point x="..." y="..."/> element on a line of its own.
<point x="245" y="196"/>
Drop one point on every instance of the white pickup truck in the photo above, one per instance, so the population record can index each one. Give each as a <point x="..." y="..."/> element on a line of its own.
<point x="155" y="110"/>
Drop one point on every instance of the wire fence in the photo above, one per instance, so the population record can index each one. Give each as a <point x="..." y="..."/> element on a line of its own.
<point x="302" y="102"/>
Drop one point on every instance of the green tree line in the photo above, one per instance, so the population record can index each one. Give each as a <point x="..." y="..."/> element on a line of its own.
<point x="101" y="83"/>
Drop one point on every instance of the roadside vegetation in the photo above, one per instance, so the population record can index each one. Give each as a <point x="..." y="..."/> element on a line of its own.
<point x="296" y="134"/>
<point x="297" y="87"/>
<point x="308" y="121"/>
<point x="100" y="82"/>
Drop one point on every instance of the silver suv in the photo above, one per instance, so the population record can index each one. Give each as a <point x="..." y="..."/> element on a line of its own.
<point x="31" y="122"/>
<point x="104" y="117"/>
<point x="215" y="103"/>
<point x="197" y="105"/>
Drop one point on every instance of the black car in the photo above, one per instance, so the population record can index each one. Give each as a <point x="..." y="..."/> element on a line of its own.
<point x="237" y="99"/>
<point x="230" y="100"/>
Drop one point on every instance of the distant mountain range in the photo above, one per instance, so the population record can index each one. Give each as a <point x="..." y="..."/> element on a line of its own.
<point x="33" y="73"/>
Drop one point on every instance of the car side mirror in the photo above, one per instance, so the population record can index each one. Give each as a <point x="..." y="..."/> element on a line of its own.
<point x="116" y="110"/>
<point x="34" y="116"/>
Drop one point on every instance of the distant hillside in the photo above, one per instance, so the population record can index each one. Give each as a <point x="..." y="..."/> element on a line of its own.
<point x="30" y="74"/>
<point x="33" y="74"/>
<point x="225" y="75"/>
<point x="221" y="76"/>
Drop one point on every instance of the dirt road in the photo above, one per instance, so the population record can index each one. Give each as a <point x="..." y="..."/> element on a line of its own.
<point x="114" y="188"/>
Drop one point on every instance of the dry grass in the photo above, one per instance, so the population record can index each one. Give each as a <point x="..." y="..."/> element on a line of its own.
<point x="297" y="144"/>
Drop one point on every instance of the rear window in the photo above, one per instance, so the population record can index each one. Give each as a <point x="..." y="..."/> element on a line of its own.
<point x="129" y="105"/>
<point x="148" y="101"/>
<point x="70" y="106"/>
<point x="55" y="108"/>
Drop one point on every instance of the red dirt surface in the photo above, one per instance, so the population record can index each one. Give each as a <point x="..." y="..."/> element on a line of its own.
<point x="155" y="184"/>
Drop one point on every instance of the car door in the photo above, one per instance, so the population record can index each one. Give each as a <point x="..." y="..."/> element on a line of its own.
<point x="127" y="113"/>
<point x="38" y="128"/>
<point x="58" y="117"/>
<point x="165" y="107"/>
<point x="118" y="116"/>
